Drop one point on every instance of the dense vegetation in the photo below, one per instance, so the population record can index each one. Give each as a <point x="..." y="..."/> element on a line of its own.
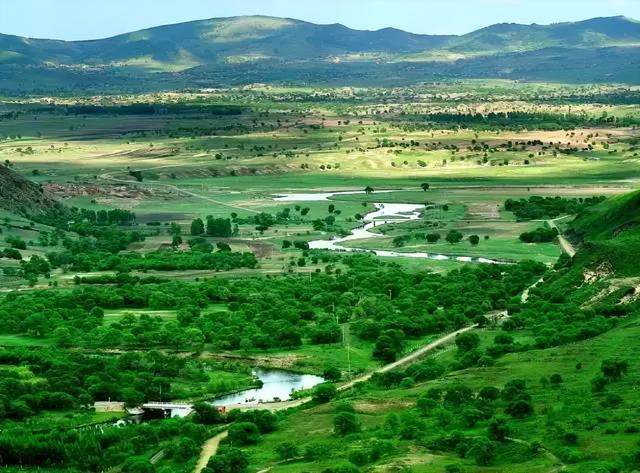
<point x="536" y="207"/>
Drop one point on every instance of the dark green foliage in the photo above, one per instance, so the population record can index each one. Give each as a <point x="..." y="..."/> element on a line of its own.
<point x="228" y="460"/>
<point x="243" y="433"/>
<point x="454" y="236"/>
<point x="482" y="451"/>
<point x="219" y="227"/>
<point x="388" y="345"/>
<point x="498" y="430"/>
<point x="205" y="413"/>
<point x="16" y="242"/>
<point x="287" y="450"/>
<point x="433" y="237"/>
<point x="614" y="369"/>
<point x="548" y="207"/>
<point x="467" y="341"/>
<point x="197" y="227"/>
<point x="324" y="392"/>
<point x="345" y="423"/>
<point x="539" y="235"/>
<point x="266" y="421"/>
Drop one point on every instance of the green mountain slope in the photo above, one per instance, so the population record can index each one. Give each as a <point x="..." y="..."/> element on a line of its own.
<point x="610" y="236"/>
<point x="266" y="49"/>
<point x="593" y="33"/>
<point x="217" y="40"/>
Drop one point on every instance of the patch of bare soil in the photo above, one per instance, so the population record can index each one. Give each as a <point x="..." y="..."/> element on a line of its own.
<point x="283" y="362"/>
<point x="370" y="407"/>
<point x="483" y="211"/>
<point x="105" y="191"/>
<point x="593" y="275"/>
<point x="261" y="250"/>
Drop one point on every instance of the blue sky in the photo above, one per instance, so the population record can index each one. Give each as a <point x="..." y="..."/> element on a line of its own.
<point x="87" y="19"/>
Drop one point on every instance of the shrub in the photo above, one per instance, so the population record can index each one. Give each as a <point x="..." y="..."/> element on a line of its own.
<point x="345" y="423"/>
<point x="244" y="433"/>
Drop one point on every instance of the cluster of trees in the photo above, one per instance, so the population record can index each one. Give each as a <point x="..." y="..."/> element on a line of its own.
<point x="536" y="207"/>
<point x="100" y="449"/>
<point x="521" y="120"/>
<point x="216" y="227"/>
<point x="67" y="380"/>
<point x="385" y="305"/>
<point x="452" y="237"/>
<point x="539" y="235"/>
<point x="165" y="260"/>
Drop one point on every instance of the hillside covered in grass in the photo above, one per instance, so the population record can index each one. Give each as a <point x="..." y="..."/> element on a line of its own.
<point x="609" y="235"/>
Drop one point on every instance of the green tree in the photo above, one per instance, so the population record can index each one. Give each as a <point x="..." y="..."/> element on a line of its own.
<point x="287" y="450"/>
<point x="482" y="451"/>
<point x="244" y="433"/>
<point x="454" y="236"/>
<point x="197" y="227"/>
<point x="324" y="392"/>
<point x="498" y="430"/>
<point x="228" y="460"/>
<point x="614" y="369"/>
<point x="345" y="423"/>
<point x="467" y="341"/>
<point x="205" y="413"/>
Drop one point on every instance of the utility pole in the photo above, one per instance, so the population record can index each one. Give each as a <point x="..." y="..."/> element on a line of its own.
<point x="344" y="337"/>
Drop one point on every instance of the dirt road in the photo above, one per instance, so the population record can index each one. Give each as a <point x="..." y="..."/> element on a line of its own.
<point x="564" y="243"/>
<point x="209" y="449"/>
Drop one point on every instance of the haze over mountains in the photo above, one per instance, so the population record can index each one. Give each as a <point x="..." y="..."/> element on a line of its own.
<point x="265" y="49"/>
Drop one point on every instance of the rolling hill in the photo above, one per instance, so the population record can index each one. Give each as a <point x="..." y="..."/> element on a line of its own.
<point x="25" y="198"/>
<point x="219" y="49"/>
<point x="610" y="235"/>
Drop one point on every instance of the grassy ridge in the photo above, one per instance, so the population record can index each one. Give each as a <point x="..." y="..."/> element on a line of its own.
<point x="610" y="233"/>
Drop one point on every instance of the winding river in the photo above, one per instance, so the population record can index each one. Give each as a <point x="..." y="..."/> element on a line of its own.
<point x="384" y="213"/>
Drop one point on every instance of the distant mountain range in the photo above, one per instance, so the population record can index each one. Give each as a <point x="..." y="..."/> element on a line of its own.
<point x="216" y="50"/>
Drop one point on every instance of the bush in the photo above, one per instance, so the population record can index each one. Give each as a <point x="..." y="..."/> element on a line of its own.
<point x="324" y="392"/>
<point x="287" y="450"/>
<point x="482" y="451"/>
<point x="498" y="429"/>
<point x="454" y="236"/>
<point x="205" y="413"/>
<point x="244" y="433"/>
<point x="520" y="409"/>
<point x="345" y="423"/>
<point x="539" y="235"/>
<point x="228" y="460"/>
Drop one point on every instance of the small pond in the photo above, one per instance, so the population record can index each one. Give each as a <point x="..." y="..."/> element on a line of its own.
<point x="277" y="385"/>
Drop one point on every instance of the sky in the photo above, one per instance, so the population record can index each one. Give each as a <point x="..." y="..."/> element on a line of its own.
<point x="92" y="19"/>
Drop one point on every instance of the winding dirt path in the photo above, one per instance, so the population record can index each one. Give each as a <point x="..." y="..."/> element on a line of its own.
<point x="564" y="243"/>
<point x="209" y="449"/>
